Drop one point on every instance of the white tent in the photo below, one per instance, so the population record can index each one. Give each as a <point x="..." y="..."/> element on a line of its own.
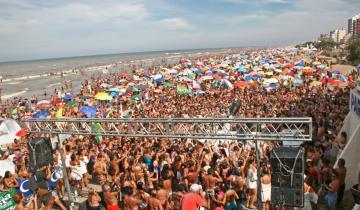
<point x="6" y="165"/>
<point x="8" y="130"/>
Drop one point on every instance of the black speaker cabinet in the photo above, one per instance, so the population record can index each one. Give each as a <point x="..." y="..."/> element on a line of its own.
<point x="356" y="194"/>
<point x="235" y="106"/>
<point x="40" y="153"/>
<point x="287" y="178"/>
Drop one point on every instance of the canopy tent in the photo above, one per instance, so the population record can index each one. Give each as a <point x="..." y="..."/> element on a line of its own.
<point x="9" y="130"/>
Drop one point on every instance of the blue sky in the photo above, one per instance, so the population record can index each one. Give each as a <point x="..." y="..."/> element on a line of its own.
<point x="32" y="29"/>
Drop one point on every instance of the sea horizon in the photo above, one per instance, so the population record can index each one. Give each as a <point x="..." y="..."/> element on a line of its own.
<point x="130" y="52"/>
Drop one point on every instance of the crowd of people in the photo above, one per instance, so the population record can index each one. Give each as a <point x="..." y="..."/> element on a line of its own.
<point x="161" y="173"/>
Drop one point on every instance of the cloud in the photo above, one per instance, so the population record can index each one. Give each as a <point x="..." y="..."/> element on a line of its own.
<point x="176" y="23"/>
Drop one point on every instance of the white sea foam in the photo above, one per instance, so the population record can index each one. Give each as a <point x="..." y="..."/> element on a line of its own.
<point x="13" y="94"/>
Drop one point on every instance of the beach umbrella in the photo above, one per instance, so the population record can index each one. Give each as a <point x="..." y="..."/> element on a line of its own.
<point x="338" y="83"/>
<point x="200" y="92"/>
<point x="209" y="73"/>
<point x="278" y="71"/>
<point x="159" y="79"/>
<point x="269" y="73"/>
<point x="315" y="83"/>
<point x="114" y="94"/>
<point x="336" y="72"/>
<point x="168" y="85"/>
<point x="228" y="84"/>
<point x="114" y="89"/>
<point x="89" y="111"/>
<point x="242" y="69"/>
<point x="298" y="81"/>
<point x="141" y="86"/>
<point x="272" y="80"/>
<point x="185" y="79"/>
<point x="261" y="73"/>
<point x="206" y="78"/>
<point x="68" y="97"/>
<point x="103" y="96"/>
<point x="133" y="90"/>
<point x="105" y="85"/>
<point x="343" y="78"/>
<point x="41" y="114"/>
<point x="55" y="102"/>
<point x="59" y="113"/>
<point x="127" y="113"/>
<point x="43" y="103"/>
<point x="86" y="97"/>
<point x="300" y="64"/>
<point x="307" y="71"/>
<point x="256" y="68"/>
<point x="71" y="103"/>
<point x="240" y="84"/>
<point x="248" y="77"/>
<point x="198" y="71"/>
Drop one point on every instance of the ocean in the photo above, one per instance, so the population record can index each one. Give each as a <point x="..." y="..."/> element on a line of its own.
<point x="21" y="68"/>
<point x="31" y="78"/>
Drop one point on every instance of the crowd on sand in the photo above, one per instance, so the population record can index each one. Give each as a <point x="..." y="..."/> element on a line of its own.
<point x="161" y="173"/>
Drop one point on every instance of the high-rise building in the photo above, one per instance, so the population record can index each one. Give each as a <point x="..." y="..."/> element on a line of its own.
<point x="356" y="28"/>
<point x="353" y="26"/>
<point x="338" y="35"/>
<point x="350" y="26"/>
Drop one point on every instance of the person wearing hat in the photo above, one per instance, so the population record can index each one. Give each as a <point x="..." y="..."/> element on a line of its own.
<point x="194" y="199"/>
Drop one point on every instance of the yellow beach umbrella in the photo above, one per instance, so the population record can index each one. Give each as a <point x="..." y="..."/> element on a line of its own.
<point x="103" y="96"/>
<point x="315" y="83"/>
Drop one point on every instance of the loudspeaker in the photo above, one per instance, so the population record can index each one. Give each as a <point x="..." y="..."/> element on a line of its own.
<point x="40" y="153"/>
<point x="287" y="178"/>
<point x="356" y="194"/>
<point x="235" y="106"/>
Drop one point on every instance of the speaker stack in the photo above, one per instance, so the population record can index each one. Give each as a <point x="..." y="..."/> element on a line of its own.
<point x="287" y="179"/>
<point x="40" y="153"/>
<point x="235" y="106"/>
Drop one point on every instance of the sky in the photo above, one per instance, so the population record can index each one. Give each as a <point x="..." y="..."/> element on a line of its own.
<point x="35" y="29"/>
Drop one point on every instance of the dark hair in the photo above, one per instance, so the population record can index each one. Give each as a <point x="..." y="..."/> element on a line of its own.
<point x="7" y="174"/>
<point x="341" y="162"/>
<point x="72" y="157"/>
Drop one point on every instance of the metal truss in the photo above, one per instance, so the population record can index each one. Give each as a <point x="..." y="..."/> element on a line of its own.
<point x="274" y="129"/>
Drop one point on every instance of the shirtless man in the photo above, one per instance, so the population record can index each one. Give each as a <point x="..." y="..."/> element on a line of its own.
<point x="110" y="198"/>
<point x="163" y="195"/>
<point x="153" y="202"/>
<point x="130" y="201"/>
<point x="210" y="181"/>
<point x="341" y="170"/>
<point x="332" y="189"/>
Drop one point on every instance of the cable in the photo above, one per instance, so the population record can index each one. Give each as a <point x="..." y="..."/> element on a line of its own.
<point x="286" y="168"/>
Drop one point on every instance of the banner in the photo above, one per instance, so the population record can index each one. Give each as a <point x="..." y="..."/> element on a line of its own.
<point x="355" y="102"/>
<point x="6" y="200"/>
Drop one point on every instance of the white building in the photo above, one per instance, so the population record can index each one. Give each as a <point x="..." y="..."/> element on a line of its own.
<point x="338" y="35"/>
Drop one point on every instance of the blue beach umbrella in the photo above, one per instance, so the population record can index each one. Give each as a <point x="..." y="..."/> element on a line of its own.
<point x="89" y="111"/>
<point x="68" y="97"/>
<point x="41" y="114"/>
<point x="200" y="92"/>
<point x="114" y="94"/>
<point x="242" y="69"/>
<point x="198" y="71"/>
<point x="142" y="86"/>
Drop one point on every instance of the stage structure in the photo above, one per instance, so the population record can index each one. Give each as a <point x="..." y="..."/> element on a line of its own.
<point x="238" y="129"/>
